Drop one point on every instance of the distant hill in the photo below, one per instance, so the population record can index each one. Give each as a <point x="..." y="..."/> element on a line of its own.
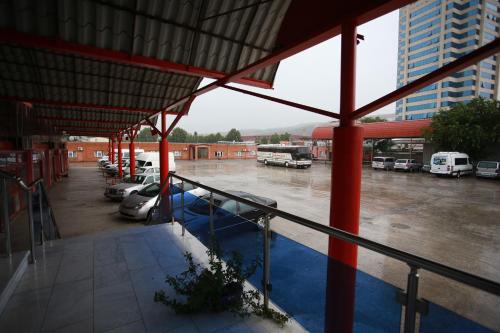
<point x="301" y="130"/>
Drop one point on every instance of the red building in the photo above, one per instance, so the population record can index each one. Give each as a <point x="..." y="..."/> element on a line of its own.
<point x="91" y="151"/>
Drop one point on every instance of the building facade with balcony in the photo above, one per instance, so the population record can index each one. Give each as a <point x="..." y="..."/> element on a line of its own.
<point x="433" y="33"/>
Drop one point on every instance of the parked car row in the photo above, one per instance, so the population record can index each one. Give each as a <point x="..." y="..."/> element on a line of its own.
<point x="390" y="163"/>
<point x="138" y="196"/>
<point x="452" y="164"/>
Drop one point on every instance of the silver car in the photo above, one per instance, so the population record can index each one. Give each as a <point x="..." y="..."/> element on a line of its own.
<point x="139" y="206"/>
<point x="130" y="186"/>
<point x="407" y="165"/>
<point x="488" y="169"/>
<point x="384" y="163"/>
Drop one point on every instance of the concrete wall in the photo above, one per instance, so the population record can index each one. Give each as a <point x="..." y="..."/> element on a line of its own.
<point x="88" y="151"/>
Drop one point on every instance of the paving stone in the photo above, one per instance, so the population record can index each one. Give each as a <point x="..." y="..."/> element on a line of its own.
<point x="115" y="306"/>
<point x="24" y="311"/>
<point x="70" y="303"/>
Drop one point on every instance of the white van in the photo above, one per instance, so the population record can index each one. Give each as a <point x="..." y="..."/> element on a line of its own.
<point x="451" y="163"/>
<point x="152" y="159"/>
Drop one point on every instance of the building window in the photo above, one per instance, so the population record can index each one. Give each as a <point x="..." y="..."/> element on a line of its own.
<point x="98" y="153"/>
<point x="72" y="154"/>
<point x="421" y="98"/>
<point x="239" y="153"/>
<point x="177" y="153"/>
<point x="421" y="107"/>
<point x="219" y="154"/>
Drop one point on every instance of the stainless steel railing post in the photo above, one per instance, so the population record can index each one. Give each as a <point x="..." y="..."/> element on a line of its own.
<point x="171" y="198"/>
<point x="411" y="300"/>
<point x="182" y="208"/>
<point x="5" y="210"/>
<point x="266" y="263"/>
<point x="29" y="197"/>
<point x="211" y="220"/>
<point x="41" y="212"/>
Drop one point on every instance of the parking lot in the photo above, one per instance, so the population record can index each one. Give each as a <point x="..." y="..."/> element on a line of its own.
<point x="452" y="221"/>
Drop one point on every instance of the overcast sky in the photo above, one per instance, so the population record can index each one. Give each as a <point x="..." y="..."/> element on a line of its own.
<point x="311" y="77"/>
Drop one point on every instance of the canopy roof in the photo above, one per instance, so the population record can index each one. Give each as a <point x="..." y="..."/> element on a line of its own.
<point x="100" y="66"/>
<point x="379" y="130"/>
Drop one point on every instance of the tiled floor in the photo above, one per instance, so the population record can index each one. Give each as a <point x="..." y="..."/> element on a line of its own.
<point x="106" y="283"/>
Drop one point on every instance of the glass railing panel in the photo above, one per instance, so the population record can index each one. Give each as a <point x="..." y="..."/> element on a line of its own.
<point x="455" y="307"/>
<point x="298" y="274"/>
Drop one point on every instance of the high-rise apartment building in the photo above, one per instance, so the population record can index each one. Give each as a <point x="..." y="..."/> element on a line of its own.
<point x="433" y="33"/>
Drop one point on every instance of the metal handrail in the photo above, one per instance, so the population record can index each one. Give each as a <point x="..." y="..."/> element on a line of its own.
<point x="412" y="260"/>
<point x="19" y="181"/>
<point x="28" y="189"/>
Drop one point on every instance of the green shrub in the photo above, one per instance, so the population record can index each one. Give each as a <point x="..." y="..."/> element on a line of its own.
<point x="217" y="288"/>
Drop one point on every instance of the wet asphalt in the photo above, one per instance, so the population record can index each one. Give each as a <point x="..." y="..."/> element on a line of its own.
<point x="452" y="221"/>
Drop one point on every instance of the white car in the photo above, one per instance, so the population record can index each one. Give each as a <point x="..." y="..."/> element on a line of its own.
<point x="451" y="164"/>
<point x="129" y="186"/>
<point x="407" y="165"/>
<point x="139" y="206"/>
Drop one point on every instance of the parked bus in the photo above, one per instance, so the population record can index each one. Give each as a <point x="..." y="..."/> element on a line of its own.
<point x="287" y="156"/>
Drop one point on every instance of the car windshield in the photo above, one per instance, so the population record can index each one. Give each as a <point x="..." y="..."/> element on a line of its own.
<point x="150" y="191"/>
<point x="139" y="179"/>
<point x="127" y="179"/>
<point x="400" y="161"/>
<point x="439" y="160"/>
<point x="378" y="159"/>
<point x="202" y="206"/>
<point x="141" y="170"/>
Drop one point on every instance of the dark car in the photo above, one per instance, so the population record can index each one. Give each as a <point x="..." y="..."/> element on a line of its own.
<point x="229" y="216"/>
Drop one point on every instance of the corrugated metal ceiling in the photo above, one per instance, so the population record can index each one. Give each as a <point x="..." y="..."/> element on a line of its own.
<point x="213" y="35"/>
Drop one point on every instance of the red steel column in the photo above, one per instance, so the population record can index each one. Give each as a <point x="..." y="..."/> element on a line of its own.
<point x="164" y="154"/>
<point x="112" y="150"/>
<point x="131" y="149"/>
<point x="347" y="157"/>
<point x="120" y="164"/>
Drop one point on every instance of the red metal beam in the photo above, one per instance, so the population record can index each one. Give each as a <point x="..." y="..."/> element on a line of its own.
<point x="76" y="105"/>
<point x="58" y="45"/>
<point x="439" y="74"/>
<point x="285" y="102"/>
<point x="155" y="129"/>
<point x="64" y="126"/>
<point x="127" y="123"/>
<point x="185" y="110"/>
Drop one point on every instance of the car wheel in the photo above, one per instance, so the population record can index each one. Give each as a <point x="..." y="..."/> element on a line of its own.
<point x="459" y="174"/>
<point x="286" y="164"/>
<point x="149" y="217"/>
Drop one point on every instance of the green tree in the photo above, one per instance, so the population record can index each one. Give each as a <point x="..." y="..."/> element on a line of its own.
<point x="275" y="138"/>
<point x="144" y="135"/>
<point x="219" y="137"/>
<point x="233" y="135"/>
<point x="469" y="128"/>
<point x="375" y="119"/>
<point x="285" y="136"/>
<point x="383" y="145"/>
<point x="178" y="135"/>
<point x="264" y="140"/>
